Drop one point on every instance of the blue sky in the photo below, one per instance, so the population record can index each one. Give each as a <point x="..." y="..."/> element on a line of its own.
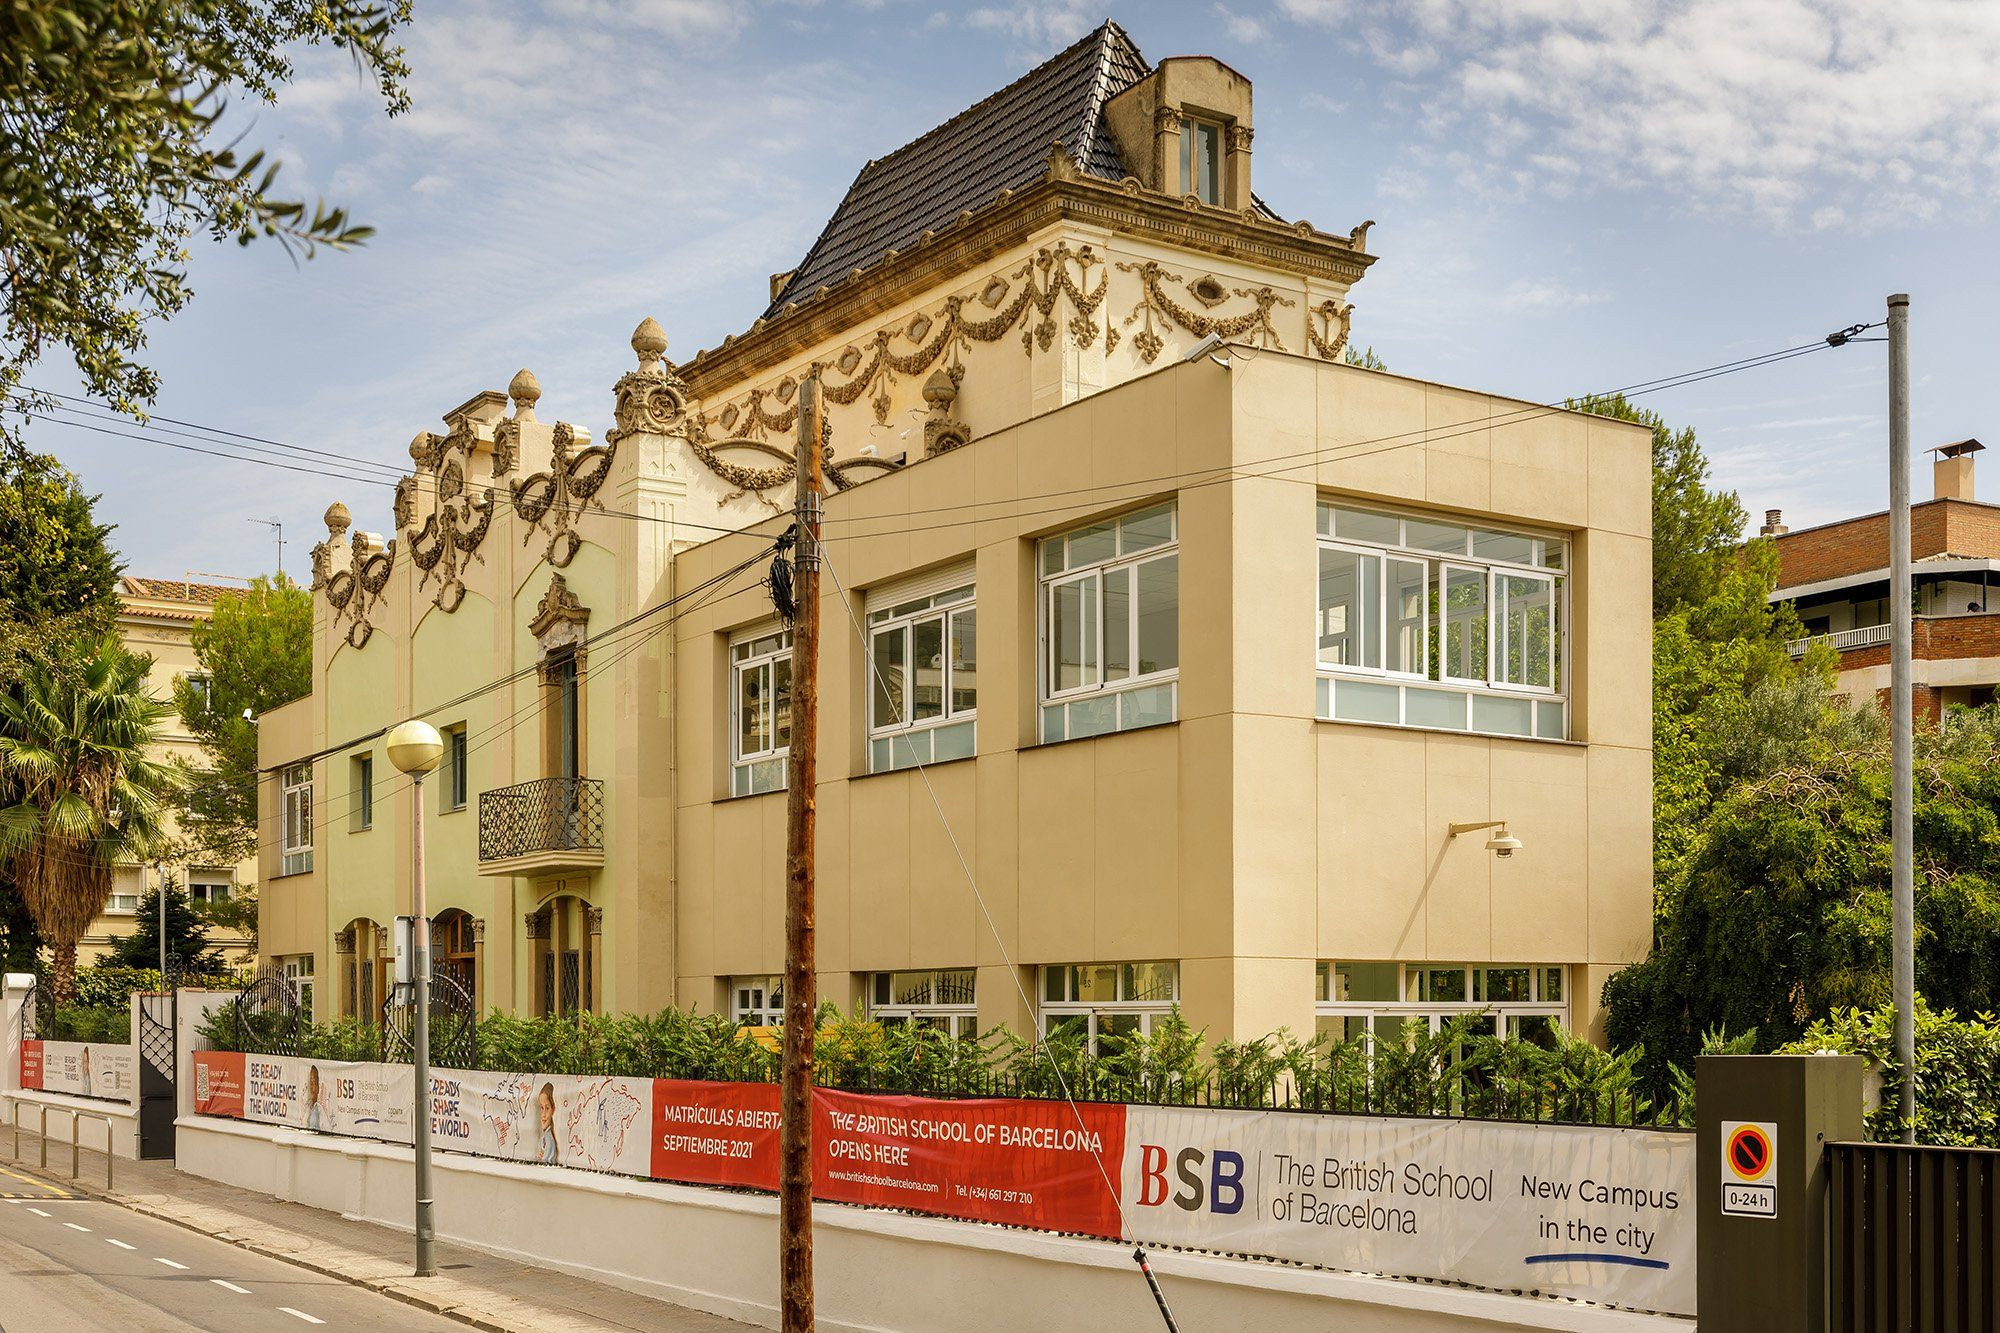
<point x="1569" y="195"/>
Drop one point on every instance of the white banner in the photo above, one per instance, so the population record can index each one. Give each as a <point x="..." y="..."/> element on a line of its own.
<point x="1602" y="1215"/>
<point x="332" y="1096"/>
<point x="90" y="1069"/>
<point x="598" y="1123"/>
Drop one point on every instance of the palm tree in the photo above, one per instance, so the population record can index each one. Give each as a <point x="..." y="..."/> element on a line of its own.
<point x="78" y="788"/>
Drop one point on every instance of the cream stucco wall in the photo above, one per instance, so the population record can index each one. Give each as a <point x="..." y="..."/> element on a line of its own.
<point x="1247" y="840"/>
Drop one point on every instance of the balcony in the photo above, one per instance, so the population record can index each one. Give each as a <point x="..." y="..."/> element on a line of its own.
<point x="1842" y="640"/>
<point x="551" y="826"/>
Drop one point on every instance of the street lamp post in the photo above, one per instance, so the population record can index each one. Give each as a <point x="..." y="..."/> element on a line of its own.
<point x="416" y="748"/>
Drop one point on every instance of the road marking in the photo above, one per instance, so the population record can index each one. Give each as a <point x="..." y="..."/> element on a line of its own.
<point x="119" y="1243"/>
<point x="39" y="1213"/>
<point x="76" y="1226"/>
<point x="230" y="1286"/>
<point x="169" y="1263"/>
<point x="30" y="1180"/>
<point x="299" y="1314"/>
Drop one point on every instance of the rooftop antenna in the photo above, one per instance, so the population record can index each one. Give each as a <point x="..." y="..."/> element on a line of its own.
<point x="280" y="527"/>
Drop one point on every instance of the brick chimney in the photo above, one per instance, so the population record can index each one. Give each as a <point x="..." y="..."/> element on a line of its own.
<point x="1951" y="471"/>
<point x="1774" y="524"/>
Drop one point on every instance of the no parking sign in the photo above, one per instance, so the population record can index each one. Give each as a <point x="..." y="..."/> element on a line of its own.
<point x="1750" y="1168"/>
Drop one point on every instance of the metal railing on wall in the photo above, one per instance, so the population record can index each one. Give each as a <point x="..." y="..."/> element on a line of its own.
<point x="1912" y="1240"/>
<point x="548" y="814"/>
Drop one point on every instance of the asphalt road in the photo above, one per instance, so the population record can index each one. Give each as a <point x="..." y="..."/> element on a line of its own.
<point x="78" y="1264"/>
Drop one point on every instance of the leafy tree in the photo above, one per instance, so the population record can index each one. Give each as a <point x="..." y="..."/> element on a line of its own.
<point x="20" y="942"/>
<point x="75" y="733"/>
<point x="112" y="155"/>
<point x="1695" y="529"/>
<point x="1781" y="914"/>
<point x="187" y="935"/>
<point x="1958" y="1072"/>
<point x="58" y="573"/>
<point x="256" y="650"/>
<point x="1364" y="357"/>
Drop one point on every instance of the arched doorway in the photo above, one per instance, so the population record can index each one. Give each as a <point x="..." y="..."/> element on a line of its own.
<point x="455" y="948"/>
<point x="361" y="951"/>
<point x="564" y="939"/>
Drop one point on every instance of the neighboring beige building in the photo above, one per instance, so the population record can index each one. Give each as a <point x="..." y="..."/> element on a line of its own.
<point x="1203" y="649"/>
<point x="157" y="616"/>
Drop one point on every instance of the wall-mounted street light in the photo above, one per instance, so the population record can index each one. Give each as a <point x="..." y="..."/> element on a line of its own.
<point x="1502" y="844"/>
<point x="416" y="748"/>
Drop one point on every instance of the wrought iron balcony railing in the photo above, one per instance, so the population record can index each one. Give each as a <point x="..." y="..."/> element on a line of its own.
<point x="548" y="815"/>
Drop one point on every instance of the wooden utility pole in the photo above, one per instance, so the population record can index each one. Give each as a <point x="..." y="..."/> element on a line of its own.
<point x="795" y="1154"/>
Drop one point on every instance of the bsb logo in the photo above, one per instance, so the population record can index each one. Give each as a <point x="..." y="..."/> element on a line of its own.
<point x="1221" y="1186"/>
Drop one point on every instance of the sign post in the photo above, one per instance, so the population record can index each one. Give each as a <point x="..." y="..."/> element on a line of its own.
<point x="1762" y="1126"/>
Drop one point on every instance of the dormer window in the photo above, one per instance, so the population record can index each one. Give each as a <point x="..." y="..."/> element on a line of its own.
<point x="1201" y="159"/>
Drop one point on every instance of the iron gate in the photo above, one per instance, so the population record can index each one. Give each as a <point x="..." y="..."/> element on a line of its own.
<point x="454" y="1025"/>
<point x="157" y="1036"/>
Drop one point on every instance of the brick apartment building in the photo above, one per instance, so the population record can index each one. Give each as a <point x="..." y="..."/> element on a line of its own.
<point x="1838" y="576"/>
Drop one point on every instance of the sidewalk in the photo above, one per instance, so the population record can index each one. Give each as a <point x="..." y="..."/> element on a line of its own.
<point x="473" y="1287"/>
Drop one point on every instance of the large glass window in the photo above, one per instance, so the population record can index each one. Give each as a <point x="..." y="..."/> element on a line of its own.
<point x="1425" y="622"/>
<point x="1375" y="1001"/>
<point x="1111" y="626"/>
<point x="1107" y="1002"/>
<point x="923" y="679"/>
<point x="760" y="709"/>
<point x="942" y="1000"/>
<point x="296" y="794"/>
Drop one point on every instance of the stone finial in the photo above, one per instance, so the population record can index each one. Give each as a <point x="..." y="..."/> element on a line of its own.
<point x="940" y="391"/>
<point x="526" y="391"/>
<point x="649" y="340"/>
<point x="338" y="520"/>
<point x="420" y="447"/>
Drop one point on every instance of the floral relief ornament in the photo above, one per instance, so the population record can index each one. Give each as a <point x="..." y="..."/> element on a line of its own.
<point x="451" y="533"/>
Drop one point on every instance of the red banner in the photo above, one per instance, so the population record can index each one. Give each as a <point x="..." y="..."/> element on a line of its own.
<point x="31" y="1064"/>
<point x="1025" y="1163"/>
<point x="715" y="1133"/>
<point x="218" y="1083"/>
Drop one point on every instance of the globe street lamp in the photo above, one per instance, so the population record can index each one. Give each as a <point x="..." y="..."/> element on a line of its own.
<point x="416" y="748"/>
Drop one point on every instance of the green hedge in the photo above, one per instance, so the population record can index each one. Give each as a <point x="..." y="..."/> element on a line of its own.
<point x="1456" y="1071"/>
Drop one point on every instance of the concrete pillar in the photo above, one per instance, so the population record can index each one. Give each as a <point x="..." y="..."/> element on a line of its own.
<point x="190" y="1012"/>
<point x="13" y="998"/>
<point x="1761" y="1264"/>
<point x="593" y="959"/>
<point x="1237" y="175"/>
<point x="479" y="965"/>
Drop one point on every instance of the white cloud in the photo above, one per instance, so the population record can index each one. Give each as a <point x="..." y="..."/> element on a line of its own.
<point x="1550" y="295"/>
<point x="1039" y="28"/>
<point x="1239" y="25"/>
<point x="1813" y="113"/>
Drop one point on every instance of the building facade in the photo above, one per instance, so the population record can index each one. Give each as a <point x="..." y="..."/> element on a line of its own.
<point x="1837" y="576"/>
<point x="1162" y="650"/>
<point x="157" y="617"/>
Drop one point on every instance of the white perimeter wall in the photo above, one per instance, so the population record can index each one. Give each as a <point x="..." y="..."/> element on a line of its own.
<point x="715" y="1250"/>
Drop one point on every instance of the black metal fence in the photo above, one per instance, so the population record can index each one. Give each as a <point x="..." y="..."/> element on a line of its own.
<point x="1913" y="1238"/>
<point x="548" y="814"/>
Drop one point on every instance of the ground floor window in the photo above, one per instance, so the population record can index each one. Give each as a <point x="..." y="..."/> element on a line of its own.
<point x="757" y="1001"/>
<point x="942" y="1000"/>
<point x="297" y="968"/>
<point x="1112" y="1001"/>
<point x="1374" y="1001"/>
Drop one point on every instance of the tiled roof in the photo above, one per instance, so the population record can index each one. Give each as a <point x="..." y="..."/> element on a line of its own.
<point x="1001" y="143"/>
<point x="176" y="590"/>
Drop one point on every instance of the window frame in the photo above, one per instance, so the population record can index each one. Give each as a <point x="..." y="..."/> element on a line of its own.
<point x="295" y="819"/>
<point x="904" y="616"/>
<point x="1050" y="1014"/>
<point x="1508" y="1015"/>
<point x="1098" y="572"/>
<point x="956" y="1018"/>
<point x="213" y="878"/>
<point x="768" y="1010"/>
<point x="362" y="814"/>
<point x="1439" y="566"/>
<point x="1192" y="130"/>
<point x="298" y="969"/>
<point x="743" y="767"/>
<point x="455" y="792"/>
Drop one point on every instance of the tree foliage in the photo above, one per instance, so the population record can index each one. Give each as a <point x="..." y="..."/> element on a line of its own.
<point x="1780" y="915"/>
<point x="76" y="731"/>
<point x="256" y="653"/>
<point x="188" y="946"/>
<point x="113" y="154"/>
<point x="1958" y="1072"/>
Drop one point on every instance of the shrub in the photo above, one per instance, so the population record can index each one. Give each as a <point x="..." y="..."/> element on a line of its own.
<point x="1958" y="1072"/>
